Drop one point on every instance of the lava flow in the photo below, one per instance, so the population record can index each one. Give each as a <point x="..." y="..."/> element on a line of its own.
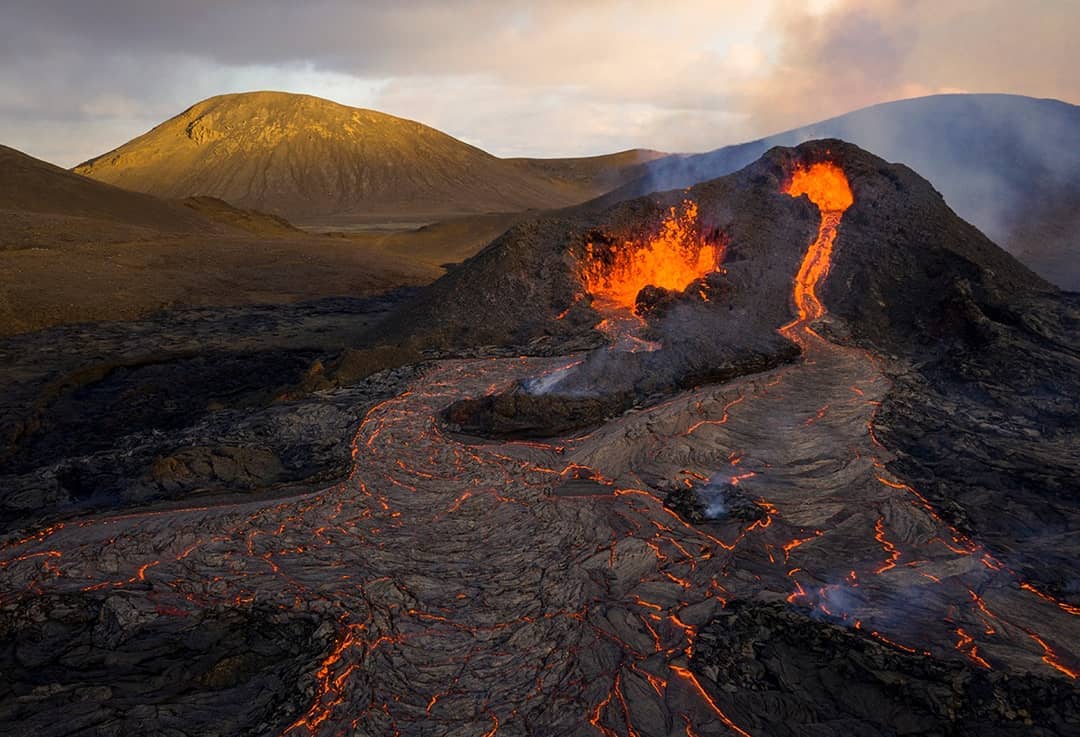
<point x="672" y="259"/>
<point x="465" y="596"/>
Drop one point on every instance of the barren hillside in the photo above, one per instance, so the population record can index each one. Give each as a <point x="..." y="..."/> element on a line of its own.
<point x="308" y="159"/>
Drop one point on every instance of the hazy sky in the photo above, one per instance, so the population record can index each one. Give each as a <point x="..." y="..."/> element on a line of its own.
<point x="79" y="77"/>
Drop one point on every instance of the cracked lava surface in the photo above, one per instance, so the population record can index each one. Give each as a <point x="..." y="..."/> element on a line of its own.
<point x="470" y="599"/>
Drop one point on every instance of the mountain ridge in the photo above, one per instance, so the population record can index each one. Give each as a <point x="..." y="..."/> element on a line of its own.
<point x="306" y="158"/>
<point x="30" y="185"/>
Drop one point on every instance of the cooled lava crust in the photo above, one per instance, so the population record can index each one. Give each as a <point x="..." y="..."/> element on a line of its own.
<point x="878" y="405"/>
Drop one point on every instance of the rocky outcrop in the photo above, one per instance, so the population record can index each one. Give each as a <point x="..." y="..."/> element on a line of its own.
<point x="232" y="466"/>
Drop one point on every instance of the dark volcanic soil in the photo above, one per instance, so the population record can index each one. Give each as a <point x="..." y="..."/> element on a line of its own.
<point x="219" y="671"/>
<point x="852" y="685"/>
<point x="470" y="586"/>
<point x="192" y="402"/>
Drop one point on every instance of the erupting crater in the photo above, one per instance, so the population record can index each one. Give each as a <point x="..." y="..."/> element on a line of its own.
<point x="614" y="274"/>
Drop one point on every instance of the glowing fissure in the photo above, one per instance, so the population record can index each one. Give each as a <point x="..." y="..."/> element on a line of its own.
<point x="673" y="259"/>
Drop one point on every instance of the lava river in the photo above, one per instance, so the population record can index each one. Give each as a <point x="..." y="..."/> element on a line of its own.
<point x="468" y="599"/>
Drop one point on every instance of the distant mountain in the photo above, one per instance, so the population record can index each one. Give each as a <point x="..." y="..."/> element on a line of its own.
<point x="1008" y="164"/>
<point x="311" y="159"/>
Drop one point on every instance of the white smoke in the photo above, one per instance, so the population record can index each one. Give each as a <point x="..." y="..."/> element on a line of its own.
<point x="714" y="496"/>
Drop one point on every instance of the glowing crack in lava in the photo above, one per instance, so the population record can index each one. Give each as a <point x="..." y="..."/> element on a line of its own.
<point x="672" y="259"/>
<point x="826" y="185"/>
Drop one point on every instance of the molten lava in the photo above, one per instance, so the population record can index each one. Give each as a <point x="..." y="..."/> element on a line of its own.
<point x="826" y="185"/>
<point x="672" y="259"/>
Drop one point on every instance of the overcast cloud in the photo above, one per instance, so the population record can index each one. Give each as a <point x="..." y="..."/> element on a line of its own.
<point x="519" y="78"/>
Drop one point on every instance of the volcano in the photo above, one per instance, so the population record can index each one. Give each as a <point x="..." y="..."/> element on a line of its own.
<point x="1006" y="163"/>
<point x="792" y="451"/>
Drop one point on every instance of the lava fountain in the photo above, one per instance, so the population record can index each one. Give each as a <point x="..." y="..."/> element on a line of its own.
<point x="826" y="185"/>
<point x="672" y="259"/>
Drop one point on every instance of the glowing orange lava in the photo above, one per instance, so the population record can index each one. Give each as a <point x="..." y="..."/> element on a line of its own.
<point x="672" y="259"/>
<point x="688" y="675"/>
<point x="826" y="185"/>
